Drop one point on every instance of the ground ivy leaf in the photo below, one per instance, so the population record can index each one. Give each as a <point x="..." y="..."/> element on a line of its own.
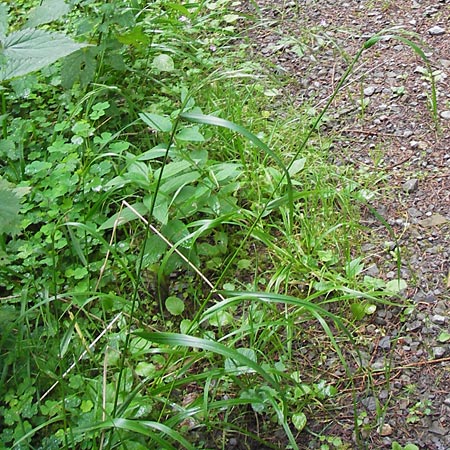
<point x="174" y="305"/>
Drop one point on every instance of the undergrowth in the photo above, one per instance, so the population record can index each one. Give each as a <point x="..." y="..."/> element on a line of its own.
<point x="174" y="240"/>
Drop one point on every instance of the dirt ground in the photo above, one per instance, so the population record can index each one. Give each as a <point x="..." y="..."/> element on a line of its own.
<point x="383" y="121"/>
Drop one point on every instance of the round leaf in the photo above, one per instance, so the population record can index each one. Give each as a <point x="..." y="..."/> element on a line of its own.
<point x="174" y="305"/>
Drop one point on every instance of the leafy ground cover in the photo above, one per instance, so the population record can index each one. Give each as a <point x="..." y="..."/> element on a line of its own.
<point x="181" y="262"/>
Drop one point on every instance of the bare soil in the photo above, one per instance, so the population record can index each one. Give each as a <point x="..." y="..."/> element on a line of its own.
<point x="383" y="122"/>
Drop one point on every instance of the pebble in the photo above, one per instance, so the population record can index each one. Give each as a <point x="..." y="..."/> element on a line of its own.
<point x="445" y="115"/>
<point x="436" y="31"/>
<point x="369" y="91"/>
<point x="438" y="319"/>
<point x="439" y="352"/>
<point x="410" y="185"/>
<point x="385" y="343"/>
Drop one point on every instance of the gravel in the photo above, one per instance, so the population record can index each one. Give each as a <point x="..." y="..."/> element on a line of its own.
<point x="415" y="200"/>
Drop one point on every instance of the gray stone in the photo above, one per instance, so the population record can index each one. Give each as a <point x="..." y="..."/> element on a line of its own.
<point x="436" y="31"/>
<point x="437" y="428"/>
<point x="438" y="319"/>
<point x="410" y="185"/>
<point x="439" y="352"/>
<point x="369" y="91"/>
<point x="385" y="343"/>
<point x="445" y="115"/>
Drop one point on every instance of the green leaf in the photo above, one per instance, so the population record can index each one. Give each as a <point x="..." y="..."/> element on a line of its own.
<point x="299" y="421"/>
<point x="10" y="206"/>
<point x="174" y="305"/>
<point x="3" y="21"/>
<point x="124" y="216"/>
<point x="183" y="340"/>
<point x="396" y="286"/>
<point x="218" y="122"/>
<point x="444" y="336"/>
<point x="235" y="367"/>
<point x="191" y="134"/>
<point x="164" y="63"/>
<point x="79" y="66"/>
<point x="156" y="122"/>
<point x="29" y="50"/>
<point x="297" y="166"/>
<point x="48" y="11"/>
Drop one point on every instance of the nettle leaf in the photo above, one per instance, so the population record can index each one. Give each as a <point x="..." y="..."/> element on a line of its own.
<point x="29" y="50"/>
<point x="9" y="212"/>
<point x="3" y="21"/>
<point x="48" y="11"/>
<point x="79" y="66"/>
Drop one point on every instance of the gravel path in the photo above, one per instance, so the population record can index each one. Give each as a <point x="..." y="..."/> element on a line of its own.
<point x="384" y="124"/>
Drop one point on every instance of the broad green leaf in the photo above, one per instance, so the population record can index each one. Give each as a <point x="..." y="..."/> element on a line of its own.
<point x="395" y="286"/>
<point x="191" y="134"/>
<point x="29" y="50"/>
<point x="299" y="421"/>
<point x="174" y="305"/>
<point x="156" y="122"/>
<point x="3" y="21"/>
<point x="10" y="206"/>
<point x="136" y="37"/>
<point x="218" y="122"/>
<point x="48" y="11"/>
<point x="124" y="216"/>
<point x="163" y="63"/>
<point x="79" y="66"/>
<point x="154" y="249"/>
<point x="297" y="166"/>
<point x="235" y="367"/>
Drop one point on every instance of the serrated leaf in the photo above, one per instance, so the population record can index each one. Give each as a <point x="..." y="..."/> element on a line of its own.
<point x="29" y="50"/>
<point x="156" y="122"/>
<point x="10" y="207"/>
<point x="174" y="305"/>
<point x="79" y="66"/>
<point x="48" y="11"/>
<point x="3" y="21"/>
<point x="299" y="421"/>
<point x="163" y="63"/>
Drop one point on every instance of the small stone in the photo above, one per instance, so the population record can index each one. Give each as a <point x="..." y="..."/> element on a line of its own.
<point x="410" y="185"/>
<point x="370" y="403"/>
<point x="436" y="31"/>
<point x="445" y="115"/>
<point x="413" y="212"/>
<point x="385" y="343"/>
<point x="413" y="326"/>
<point x="369" y="91"/>
<point x="437" y="428"/>
<point x="438" y="319"/>
<point x="439" y="352"/>
<point x="385" y="430"/>
<point x="373" y="270"/>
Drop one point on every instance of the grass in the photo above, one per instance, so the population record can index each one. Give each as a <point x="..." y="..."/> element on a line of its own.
<point x="178" y="238"/>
